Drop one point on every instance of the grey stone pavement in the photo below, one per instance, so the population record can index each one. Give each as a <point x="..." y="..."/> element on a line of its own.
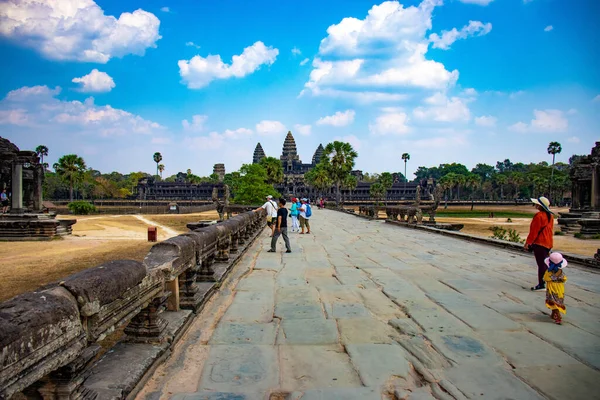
<point x="365" y="310"/>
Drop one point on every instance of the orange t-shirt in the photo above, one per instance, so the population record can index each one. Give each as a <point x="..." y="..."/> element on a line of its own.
<point x="541" y="230"/>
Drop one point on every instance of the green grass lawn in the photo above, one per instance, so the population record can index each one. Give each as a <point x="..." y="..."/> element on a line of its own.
<point x="481" y="214"/>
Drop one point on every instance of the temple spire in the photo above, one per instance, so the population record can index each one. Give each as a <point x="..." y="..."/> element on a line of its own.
<point x="318" y="155"/>
<point x="259" y="154"/>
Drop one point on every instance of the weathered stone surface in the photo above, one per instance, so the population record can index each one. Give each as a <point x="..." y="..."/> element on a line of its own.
<point x="344" y="310"/>
<point x="218" y="396"/>
<point x="119" y="370"/>
<point x="299" y="310"/>
<point x="232" y="333"/>
<point x="257" y="281"/>
<point x="376" y="363"/>
<point x="96" y="287"/>
<point x="244" y="368"/>
<point x="574" y="382"/>
<point x="172" y="256"/>
<point x="39" y="332"/>
<point x="483" y="381"/>
<point x="363" y="393"/>
<point x="365" y="330"/>
<point x="312" y="367"/>
<point x="308" y="331"/>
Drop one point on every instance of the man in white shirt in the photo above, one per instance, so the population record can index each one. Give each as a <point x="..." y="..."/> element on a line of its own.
<point x="271" y="208"/>
<point x="304" y="218"/>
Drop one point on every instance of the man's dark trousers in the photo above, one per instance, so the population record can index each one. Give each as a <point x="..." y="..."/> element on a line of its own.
<point x="282" y="232"/>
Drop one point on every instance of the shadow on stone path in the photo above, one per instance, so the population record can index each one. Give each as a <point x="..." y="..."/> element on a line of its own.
<point x="364" y="310"/>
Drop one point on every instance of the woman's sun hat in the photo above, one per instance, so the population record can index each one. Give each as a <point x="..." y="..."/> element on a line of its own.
<point x="556" y="258"/>
<point x="543" y="202"/>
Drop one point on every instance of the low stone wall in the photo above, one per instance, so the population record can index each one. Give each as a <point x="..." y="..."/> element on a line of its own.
<point x="16" y="227"/>
<point x="49" y="338"/>
<point x="143" y="209"/>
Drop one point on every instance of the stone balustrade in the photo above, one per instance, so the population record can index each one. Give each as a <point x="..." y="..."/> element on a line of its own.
<point x="50" y="339"/>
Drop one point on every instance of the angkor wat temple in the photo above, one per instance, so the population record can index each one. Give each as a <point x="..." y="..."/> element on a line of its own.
<point x="293" y="183"/>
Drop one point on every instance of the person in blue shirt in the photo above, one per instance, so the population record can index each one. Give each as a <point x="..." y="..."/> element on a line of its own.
<point x="294" y="214"/>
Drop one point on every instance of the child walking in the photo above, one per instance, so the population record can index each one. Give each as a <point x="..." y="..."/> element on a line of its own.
<point x="555" y="280"/>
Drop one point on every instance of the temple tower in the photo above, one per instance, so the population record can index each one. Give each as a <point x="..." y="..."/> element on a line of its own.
<point x="289" y="157"/>
<point x="259" y="154"/>
<point x="219" y="169"/>
<point x="318" y="155"/>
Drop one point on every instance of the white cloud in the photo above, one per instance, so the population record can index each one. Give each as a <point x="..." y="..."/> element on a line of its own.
<point x="514" y="95"/>
<point x="548" y="28"/>
<point x="338" y="119"/>
<point x="392" y="122"/>
<point x="379" y="55"/>
<point x="596" y="99"/>
<point x="352" y="139"/>
<point x="304" y="62"/>
<point x="37" y="107"/>
<point x="197" y="124"/>
<point x="469" y="92"/>
<point x="192" y="44"/>
<point x="161" y="140"/>
<point x="443" y="109"/>
<point x="486" y="120"/>
<point x="302" y="129"/>
<point x="572" y="111"/>
<point x="573" y="139"/>
<point x="95" y="81"/>
<point x="77" y="29"/>
<point x="268" y="128"/>
<point x="479" y="2"/>
<point x="474" y="28"/>
<point x="296" y="51"/>
<point x="165" y="9"/>
<point x="199" y="71"/>
<point x="216" y="140"/>
<point x="544" y="121"/>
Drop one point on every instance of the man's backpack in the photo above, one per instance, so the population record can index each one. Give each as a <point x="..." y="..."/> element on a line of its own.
<point x="308" y="211"/>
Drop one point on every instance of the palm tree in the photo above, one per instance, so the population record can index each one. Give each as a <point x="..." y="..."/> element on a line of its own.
<point x="350" y="183"/>
<point x="554" y="148"/>
<point x="387" y="180"/>
<point x="405" y="157"/>
<point x="501" y="180"/>
<point x="71" y="168"/>
<point x="377" y="191"/>
<point x="318" y="177"/>
<point x="517" y="179"/>
<point x="460" y="180"/>
<point x="161" y="168"/>
<point x="473" y="181"/>
<point x="41" y="151"/>
<point x="157" y="158"/>
<point x="339" y="160"/>
<point x="274" y="169"/>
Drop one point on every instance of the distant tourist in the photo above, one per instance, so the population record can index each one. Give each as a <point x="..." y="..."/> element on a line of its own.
<point x="305" y="214"/>
<point x="4" y="200"/>
<point x="294" y="213"/>
<point x="271" y="208"/>
<point x="281" y="229"/>
<point x="322" y="203"/>
<point x="540" y="238"/>
<point x="555" y="292"/>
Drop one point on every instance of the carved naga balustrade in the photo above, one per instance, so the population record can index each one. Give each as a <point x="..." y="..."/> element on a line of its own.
<point x="49" y="338"/>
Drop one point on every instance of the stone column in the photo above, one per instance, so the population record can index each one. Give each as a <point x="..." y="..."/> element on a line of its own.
<point x="595" y="189"/>
<point x="575" y="193"/>
<point x="38" y="178"/>
<point x="17" y="188"/>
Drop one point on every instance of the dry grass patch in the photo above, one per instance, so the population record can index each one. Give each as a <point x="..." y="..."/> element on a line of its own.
<point x="178" y="222"/>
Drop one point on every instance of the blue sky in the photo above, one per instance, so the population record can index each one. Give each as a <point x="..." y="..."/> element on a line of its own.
<point x="446" y="81"/>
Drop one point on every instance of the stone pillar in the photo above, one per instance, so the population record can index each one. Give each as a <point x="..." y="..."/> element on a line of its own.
<point x="38" y="178"/>
<point x="575" y="193"/>
<point x="17" y="188"/>
<point x="595" y="189"/>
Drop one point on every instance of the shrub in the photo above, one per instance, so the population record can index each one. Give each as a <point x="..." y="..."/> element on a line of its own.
<point x="508" y="220"/>
<point x="579" y="235"/>
<point x="81" y="208"/>
<point x="559" y="233"/>
<point x="510" y="235"/>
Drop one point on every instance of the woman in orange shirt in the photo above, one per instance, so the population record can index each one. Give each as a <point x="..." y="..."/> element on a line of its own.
<point x="540" y="238"/>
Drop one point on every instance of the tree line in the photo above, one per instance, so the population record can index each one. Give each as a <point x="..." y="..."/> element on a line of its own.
<point x="72" y="178"/>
